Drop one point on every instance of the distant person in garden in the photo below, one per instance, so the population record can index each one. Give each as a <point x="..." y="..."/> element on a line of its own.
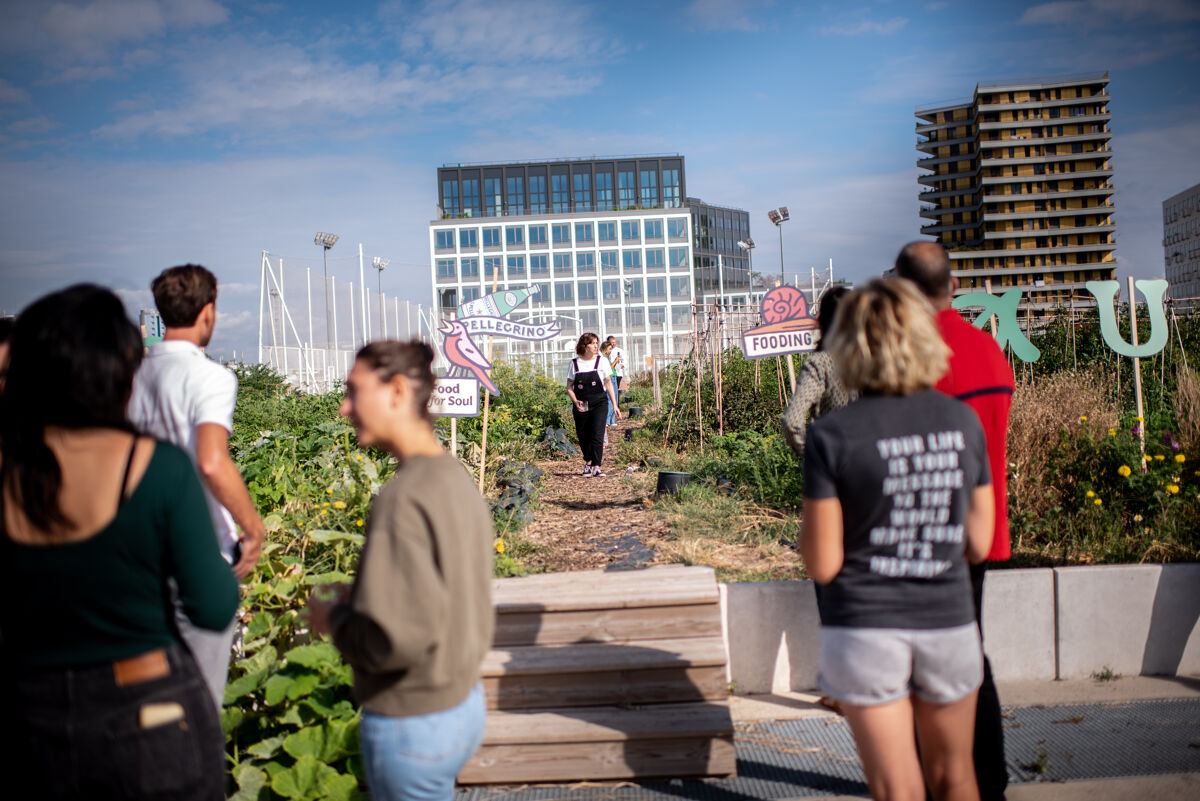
<point x="897" y="498"/>
<point x="183" y="397"/>
<point x="417" y="621"/>
<point x="100" y="698"/>
<point x="819" y="390"/>
<point x="606" y="351"/>
<point x="590" y="387"/>
<point x="617" y="359"/>
<point x="979" y="376"/>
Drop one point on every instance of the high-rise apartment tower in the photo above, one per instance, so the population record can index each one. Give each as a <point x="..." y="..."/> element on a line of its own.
<point x="1020" y="185"/>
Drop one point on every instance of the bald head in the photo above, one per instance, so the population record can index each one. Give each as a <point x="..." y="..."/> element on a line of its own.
<point x="927" y="264"/>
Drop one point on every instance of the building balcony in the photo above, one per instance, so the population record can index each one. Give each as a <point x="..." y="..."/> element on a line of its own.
<point x="937" y="178"/>
<point x="1042" y="104"/>
<point x="1038" y="232"/>
<point x="993" y="180"/>
<point x="1104" y="208"/>
<point x="1049" y="158"/>
<point x="1014" y="252"/>
<point x="931" y="145"/>
<point x="938" y="211"/>
<point x="1081" y="119"/>
<point x="922" y="128"/>
<point x="1059" y="195"/>
<point x="933" y="161"/>
<point x="938" y="228"/>
<point x="929" y="195"/>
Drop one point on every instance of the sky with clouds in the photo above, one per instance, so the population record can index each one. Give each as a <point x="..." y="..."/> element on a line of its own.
<point x="137" y="134"/>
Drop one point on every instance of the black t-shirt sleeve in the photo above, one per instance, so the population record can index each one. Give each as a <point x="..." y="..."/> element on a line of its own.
<point x="819" y="479"/>
<point x="977" y="443"/>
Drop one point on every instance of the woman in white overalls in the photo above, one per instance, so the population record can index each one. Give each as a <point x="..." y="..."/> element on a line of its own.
<point x="591" y="392"/>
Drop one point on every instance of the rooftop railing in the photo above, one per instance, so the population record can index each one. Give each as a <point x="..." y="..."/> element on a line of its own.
<point x="562" y="159"/>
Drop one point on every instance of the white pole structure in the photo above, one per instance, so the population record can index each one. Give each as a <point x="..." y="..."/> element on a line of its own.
<point x="308" y="291"/>
<point x="721" y="279"/>
<point x="1137" y="373"/>
<point x="407" y="319"/>
<point x="285" y="316"/>
<point x="362" y="282"/>
<point x="353" y="329"/>
<point x="334" y="345"/>
<point x="262" y="292"/>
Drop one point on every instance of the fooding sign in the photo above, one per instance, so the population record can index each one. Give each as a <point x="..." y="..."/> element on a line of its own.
<point x="787" y="327"/>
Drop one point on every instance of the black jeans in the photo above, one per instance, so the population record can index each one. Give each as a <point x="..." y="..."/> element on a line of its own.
<point x="589" y="427"/>
<point x="74" y="733"/>
<point x="991" y="771"/>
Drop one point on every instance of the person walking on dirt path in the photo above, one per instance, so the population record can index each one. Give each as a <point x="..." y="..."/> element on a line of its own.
<point x="618" y="364"/>
<point x="606" y="351"/>
<point x="819" y="389"/>
<point x="417" y="621"/>
<point x="979" y="376"/>
<point x="897" y="499"/>
<point x="182" y="397"/>
<point x="590" y="387"/>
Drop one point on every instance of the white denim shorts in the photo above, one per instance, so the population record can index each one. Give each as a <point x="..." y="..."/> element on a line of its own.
<point x="869" y="667"/>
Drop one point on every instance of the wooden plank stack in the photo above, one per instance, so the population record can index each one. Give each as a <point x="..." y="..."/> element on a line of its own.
<point x="606" y="675"/>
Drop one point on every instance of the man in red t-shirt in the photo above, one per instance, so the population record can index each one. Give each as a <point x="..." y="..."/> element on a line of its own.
<point x="979" y="376"/>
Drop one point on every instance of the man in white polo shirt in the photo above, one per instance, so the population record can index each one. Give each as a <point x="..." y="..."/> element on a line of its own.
<point x="183" y="397"/>
<point x="617" y="359"/>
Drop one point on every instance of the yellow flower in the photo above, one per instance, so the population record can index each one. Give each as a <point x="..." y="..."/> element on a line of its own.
<point x="1125" y="470"/>
<point x="1146" y="530"/>
<point x="1083" y="418"/>
<point x="358" y="522"/>
<point x="339" y="504"/>
<point x="1112" y="432"/>
<point x="1097" y="501"/>
<point x="1140" y="419"/>
<point x="1173" y="489"/>
<point x="326" y="503"/>
<point x="1148" y="458"/>
<point x="1091" y="494"/>
<point x="358" y="458"/>
<point x="1158" y="457"/>
<point x="300" y="523"/>
<point x="1137" y="518"/>
<point x="1179" y="457"/>
<point x="324" y="511"/>
<point x="329" y="492"/>
<point x="499" y="546"/>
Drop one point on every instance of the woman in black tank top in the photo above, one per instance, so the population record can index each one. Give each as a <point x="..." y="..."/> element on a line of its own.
<point x="590" y="387"/>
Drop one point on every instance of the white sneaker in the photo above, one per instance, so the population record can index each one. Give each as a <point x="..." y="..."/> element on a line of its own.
<point x="587" y="470"/>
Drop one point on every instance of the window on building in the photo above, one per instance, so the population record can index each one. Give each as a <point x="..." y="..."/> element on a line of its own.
<point x="656" y="316"/>
<point x="583" y="234"/>
<point x="681" y="317"/>
<point x="491" y="197"/>
<point x="450" y="205"/>
<point x="627" y="189"/>
<point x="677" y="228"/>
<point x="444" y="240"/>
<point x="445" y="268"/>
<point x="590" y="320"/>
<point x="630" y="231"/>
<point x="606" y="231"/>
<point x="649" y="185"/>
<point x="583" y="192"/>
<point x="631" y="259"/>
<point x="468" y="238"/>
<point x="538" y="263"/>
<point x="449" y="298"/>
<point x="560" y="194"/>
<point x="537" y="194"/>
<point x="635" y="317"/>
<point x="680" y="288"/>
<point x="633" y="288"/>
<point x="470" y="293"/>
<point x="608" y="261"/>
<point x="604" y="191"/>
<point x="653" y="229"/>
<point x="514" y="235"/>
<point x="587" y="292"/>
<point x="679" y="257"/>
<point x="541" y="295"/>
<point x="562" y="264"/>
<point x="492" y="265"/>
<point x="470" y="196"/>
<point x="516" y="195"/>
<point x="672" y="197"/>
<point x="585" y="262"/>
<point x="491" y="237"/>
<point x="612" y="319"/>
<point x="564" y="293"/>
<point x="537" y="234"/>
<point x="561" y="233"/>
<point x="470" y="268"/>
<point x="516" y="266"/>
<point x="611" y="290"/>
<point x="656" y="287"/>
<point x="655" y="258"/>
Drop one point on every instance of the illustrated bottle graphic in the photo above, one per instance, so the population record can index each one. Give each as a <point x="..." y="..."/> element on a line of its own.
<point x="496" y="304"/>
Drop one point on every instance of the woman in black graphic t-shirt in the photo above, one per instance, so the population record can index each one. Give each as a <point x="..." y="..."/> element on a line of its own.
<point x="897" y="498"/>
<point x="591" y="390"/>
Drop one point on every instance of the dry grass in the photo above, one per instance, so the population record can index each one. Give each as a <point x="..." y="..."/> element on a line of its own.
<point x="1041" y="412"/>
<point x="1187" y="409"/>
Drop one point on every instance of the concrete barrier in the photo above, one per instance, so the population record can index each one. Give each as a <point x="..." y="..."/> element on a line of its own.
<point x="1039" y="624"/>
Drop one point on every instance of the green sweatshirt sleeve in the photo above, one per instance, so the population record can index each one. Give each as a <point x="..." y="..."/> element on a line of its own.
<point x="810" y="385"/>
<point x="208" y="590"/>
<point x="399" y="603"/>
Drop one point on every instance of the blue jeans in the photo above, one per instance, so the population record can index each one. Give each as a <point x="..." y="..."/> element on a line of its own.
<point x="417" y="758"/>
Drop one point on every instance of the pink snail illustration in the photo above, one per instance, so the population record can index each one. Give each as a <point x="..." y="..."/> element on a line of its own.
<point x="784" y="308"/>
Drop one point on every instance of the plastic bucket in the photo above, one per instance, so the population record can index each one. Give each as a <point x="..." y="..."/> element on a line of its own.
<point x="669" y="481"/>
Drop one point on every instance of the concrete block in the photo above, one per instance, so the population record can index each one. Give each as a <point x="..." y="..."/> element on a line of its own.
<point x="1104" y="617"/>
<point x="1173" y="641"/>
<point x="1018" y="624"/>
<point x="773" y="632"/>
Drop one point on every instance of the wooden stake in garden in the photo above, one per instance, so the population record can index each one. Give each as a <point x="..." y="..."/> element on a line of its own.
<point x="487" y="398"/>
<point x="1137" y="373"/>
<point x="699" y="363"/>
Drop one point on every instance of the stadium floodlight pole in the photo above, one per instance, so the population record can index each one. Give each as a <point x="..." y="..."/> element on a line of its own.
<point x="779" y="216"/>
<point x="379" y="263"/>
<point x="325" y="242"/>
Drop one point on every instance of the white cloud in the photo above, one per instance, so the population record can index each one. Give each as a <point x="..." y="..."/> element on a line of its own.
<point x="12" y="94"/>
<point x="87" y="32"/>
<point x="33" y="125"/>
<point x="1101" y="12"/>
<point x="883" y="28"/>
<point x="727" y="15"/>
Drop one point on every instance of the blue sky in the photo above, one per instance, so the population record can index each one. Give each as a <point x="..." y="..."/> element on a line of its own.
<point x="137" y="134"/>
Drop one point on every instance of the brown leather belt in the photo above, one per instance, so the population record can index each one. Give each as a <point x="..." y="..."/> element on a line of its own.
<point x="143" y="667"/>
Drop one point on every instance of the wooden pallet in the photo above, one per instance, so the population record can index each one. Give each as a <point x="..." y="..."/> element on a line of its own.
<point x="606" y="675"/>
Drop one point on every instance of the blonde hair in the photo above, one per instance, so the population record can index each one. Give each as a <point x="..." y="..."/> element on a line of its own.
<point x="885" y="339"/>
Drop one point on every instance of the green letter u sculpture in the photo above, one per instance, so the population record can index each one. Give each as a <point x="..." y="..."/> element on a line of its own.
<point x="1105" y="293"/>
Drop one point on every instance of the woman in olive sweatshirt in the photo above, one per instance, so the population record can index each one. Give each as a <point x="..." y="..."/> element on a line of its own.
<point x="417" y="621"/>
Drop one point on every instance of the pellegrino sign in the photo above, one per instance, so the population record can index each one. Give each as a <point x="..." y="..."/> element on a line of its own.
<point x="1008" y="330"/>
<point x="787" y="326"/>
<point x="457" y="393"/>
